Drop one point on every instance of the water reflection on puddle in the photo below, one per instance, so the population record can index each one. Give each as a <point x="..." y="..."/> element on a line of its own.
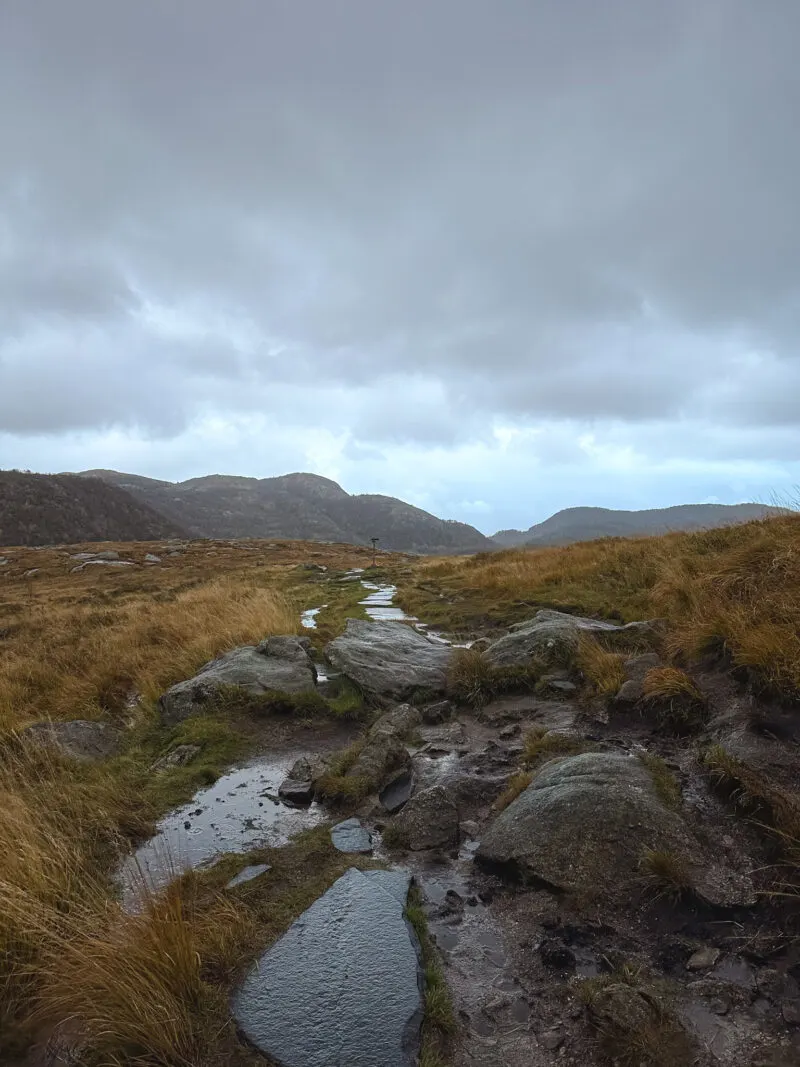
<point x="308" y="618"/>
<point x="378" y="603"/>
<point x="239" y="812"/>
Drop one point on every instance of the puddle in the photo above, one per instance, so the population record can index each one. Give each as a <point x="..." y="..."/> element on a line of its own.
<point x="239" y="812"/>
<point x="378" y="604"/>
<point x="308" y="618"/>
<point x="479" y="972"/>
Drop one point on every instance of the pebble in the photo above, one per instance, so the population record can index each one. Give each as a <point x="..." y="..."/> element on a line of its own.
<point x="704" y="959"/>
<point x="551" y="1040"/>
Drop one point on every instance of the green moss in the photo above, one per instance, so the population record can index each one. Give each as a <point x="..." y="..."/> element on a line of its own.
<point x="439" y="1022"/>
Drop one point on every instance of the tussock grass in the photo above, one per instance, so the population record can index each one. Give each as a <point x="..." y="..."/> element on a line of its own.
<point x="83" y="661"/>
<point x="666" y="873"/>
<point x="755" y="794"/>
<point x="674" y="700"/>
<point x="603" y="670"/>
<point x="517" y="784"/>
<point x="733" y="591"/>
<point x="473" y="680"/>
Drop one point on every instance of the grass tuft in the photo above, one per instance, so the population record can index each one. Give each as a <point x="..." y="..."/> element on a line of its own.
<point x="439" y="1022"/>
<point x="473" y="680"/>
<point x="674" y="700"/>
<point x="517" y="784"/>
<point x="753" y="793"/>
<point x="667" y="874"/>
<point x="664" y="781"/>
<point x="541" y="744"/>
<point x="603" y="670"/>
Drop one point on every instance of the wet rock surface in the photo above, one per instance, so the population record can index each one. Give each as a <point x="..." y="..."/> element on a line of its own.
<point x="342" y="986"/>
<point x="554" y="636"/>
<point x="397" y="792"/>
<point x="280" y="664"/>
<point x="248" y="874"/>
<point x="79" y="739"/>
<point x="429" y="820"/>
<point x="389" y="659"/>
<point x="351" y="836"/>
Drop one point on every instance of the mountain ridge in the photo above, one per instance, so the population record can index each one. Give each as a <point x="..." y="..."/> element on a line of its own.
<point x="590" y="523"/>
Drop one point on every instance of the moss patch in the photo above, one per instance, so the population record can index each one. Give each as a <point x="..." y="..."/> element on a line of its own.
<point x="439" y="1022"/>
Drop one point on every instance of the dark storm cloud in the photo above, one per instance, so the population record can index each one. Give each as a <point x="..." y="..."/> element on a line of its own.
<point x="567" y="210"/>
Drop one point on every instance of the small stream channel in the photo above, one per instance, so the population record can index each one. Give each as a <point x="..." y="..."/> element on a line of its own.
<point x="242" y="811"/>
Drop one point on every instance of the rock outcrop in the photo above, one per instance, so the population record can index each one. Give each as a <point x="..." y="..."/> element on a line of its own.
<point x="280" y="664"/>
<point x="553" y="637"/>
<point x="79" y="739"/>
<point x="584" y="825"/>
<point x="390" y="659"/>
<point x="342" y="986"/>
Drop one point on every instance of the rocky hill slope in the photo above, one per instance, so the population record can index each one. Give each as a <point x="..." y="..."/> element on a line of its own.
<point x="41" y="509"/>
<point x="303" y="506"/>
<point x="588" y="524"/>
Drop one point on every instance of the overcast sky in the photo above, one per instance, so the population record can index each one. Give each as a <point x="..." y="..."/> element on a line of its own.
<point x="496" y="258"/>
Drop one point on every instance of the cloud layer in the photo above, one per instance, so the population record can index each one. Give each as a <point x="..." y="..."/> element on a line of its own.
<point x="494" y="260"/>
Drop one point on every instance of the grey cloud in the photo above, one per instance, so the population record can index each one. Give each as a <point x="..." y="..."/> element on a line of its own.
<point x="548" y="210"/>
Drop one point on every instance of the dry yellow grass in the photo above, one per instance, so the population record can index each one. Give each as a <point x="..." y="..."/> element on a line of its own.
<point x="603" y="670"/>
<point x="734" y="591"/>
<point x="81" y="661"/>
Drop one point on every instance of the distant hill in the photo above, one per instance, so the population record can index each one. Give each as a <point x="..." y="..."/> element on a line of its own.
<point x="303" y="506"/>
<point x="588" y="524"/>
<point x="46" y="509"/>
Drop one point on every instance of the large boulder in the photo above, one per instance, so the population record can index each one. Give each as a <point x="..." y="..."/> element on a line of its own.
<point x="342" y="986"/>
<point x="79" y="739"/>
<point x="389" y="659"/>
<point x="553" y="637"/>
<point x="429" y="820"/>
<point x="584" y="824"/>
<point x="280" y="664"/>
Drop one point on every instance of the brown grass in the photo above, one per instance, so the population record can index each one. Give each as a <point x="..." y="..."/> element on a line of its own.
<point x="755" y="794"/>
<point x="733" y="591"/>
<point x="541" y="744"/>
<point x="473" y="680"/>
<point x="517" y="784"/>
<point x="666" y="873"/>
<point x="603" y="670"/>
<point x="673" y="700"/>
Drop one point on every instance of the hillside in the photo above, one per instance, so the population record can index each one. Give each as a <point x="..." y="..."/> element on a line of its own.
<point x="42" y="509"/>
<point x="302" y="506"/>
<point x="589" y="524"/>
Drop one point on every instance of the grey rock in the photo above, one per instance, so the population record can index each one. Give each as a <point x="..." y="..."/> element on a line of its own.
<point x="790" y="1010"/>
<point x="703" y="960"/>
<point x="400" y="721"/>
<point x="108" y="555"/>
<point x="113" y="563"/>
<point x="583" y="824"/>
<point x="389" y="659"/>
<point x="294" y="792"/>
<point x="177" y="757"/>
<point x="342" y="986"/>
<point x="429" y="820"/>
<point x="396" y="793"/>
<point x="152" y="558"/>
<point x="351" y="836"/>
<point x="470" y="828"/>
<point x="552" y="1040"/>
<point x="441" y="711"/>
<point x="630" y="692"/>
<point x="32" y="572"/>
<point x="84" y="555"/>
<point x="280" y="664"/>
<point x="248" y="874"/>
<point x="554" y="636"/>
<point x="78" y="739"/>
<point x="514" y="730"/>
<point x="380" y="758"/>
<point x="309" y="769"/>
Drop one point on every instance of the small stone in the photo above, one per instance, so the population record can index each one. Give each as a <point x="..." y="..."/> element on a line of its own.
<point x="296" y="792"/>
<point x="247" y="874"/>
<point x="470" y="828"/>
<point x="441" y="711"/>
<point x="351" y="836"/>
<point x="703" y="960"/>
<point x="551" y="1040"/>
<point x="150" y="558"/>
<point x="510" y="731"/>
<point x="187" y="825"/>
<point x="790" y="1010"/>
<point x="397" y="792"/>
<point x="719" y="1006"/>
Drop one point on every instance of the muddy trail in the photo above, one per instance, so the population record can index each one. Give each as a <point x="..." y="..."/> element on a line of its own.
<point x="557" y="943"/>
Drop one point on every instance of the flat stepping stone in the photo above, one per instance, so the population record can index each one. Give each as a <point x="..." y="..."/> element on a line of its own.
<point x="397" y="792"/>
<point x="300" y="793"/>
<point x="342" y="986"/>
<point x="351" y="836"/>
<point x="247" y="874"/>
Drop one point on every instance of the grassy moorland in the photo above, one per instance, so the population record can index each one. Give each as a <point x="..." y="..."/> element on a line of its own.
<point x="103" y="644"/>
<point x="732" y="592"/>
